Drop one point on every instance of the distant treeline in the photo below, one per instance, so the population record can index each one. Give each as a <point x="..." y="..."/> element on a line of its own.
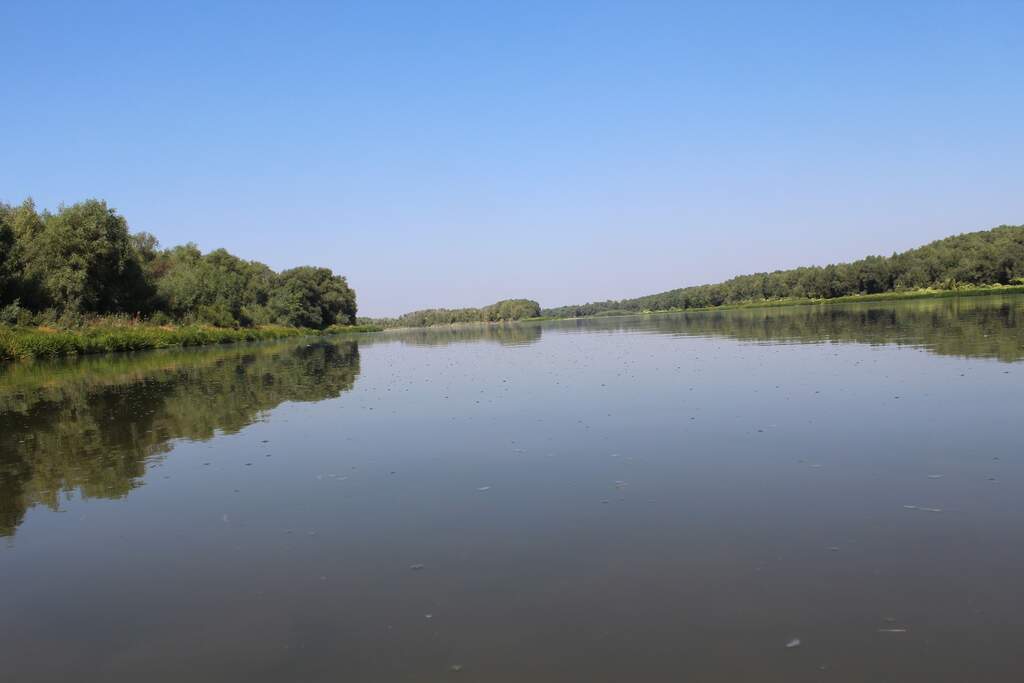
<point x="509" y="309"/>
<point x="987" y="257"/>
<point x="82" y="260"/>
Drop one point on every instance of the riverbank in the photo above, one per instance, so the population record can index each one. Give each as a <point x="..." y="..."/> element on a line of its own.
<point x="46" y="342"/>
<point x="982" y="290"/>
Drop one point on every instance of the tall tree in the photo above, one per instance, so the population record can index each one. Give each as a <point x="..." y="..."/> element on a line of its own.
<point x="81" y="259"/>
<point x="312" y="297"/>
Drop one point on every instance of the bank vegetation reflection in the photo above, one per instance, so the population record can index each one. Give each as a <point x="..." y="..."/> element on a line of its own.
<point x="91" y="425"/>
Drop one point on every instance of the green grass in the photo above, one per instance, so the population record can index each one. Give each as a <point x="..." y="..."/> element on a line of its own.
<point x="976" y="290"/>
<point x="41" y="342"/>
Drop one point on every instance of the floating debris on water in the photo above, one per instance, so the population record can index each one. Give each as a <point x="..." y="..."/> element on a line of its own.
<point x="415" y="567"/>
<point x="892" y="630"/>
<point x="484" y="488"/>
<point x="795" y="642"/>
<point x="935" y="476"/>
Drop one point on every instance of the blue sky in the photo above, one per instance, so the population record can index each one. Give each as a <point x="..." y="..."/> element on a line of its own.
<point x="456" y="153"/>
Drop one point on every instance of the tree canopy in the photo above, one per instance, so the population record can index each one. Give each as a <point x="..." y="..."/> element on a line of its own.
<point x="508" y="309"/>
<point x="83" y="259"/>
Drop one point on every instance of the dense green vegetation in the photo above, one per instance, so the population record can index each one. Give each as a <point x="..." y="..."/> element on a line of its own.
<point x="64" y="268"/>
<point x="70" y="280"/>
<point x="502" y="311"/>
<point x="20" y="342"/>
<point x="988" y="257"/>
<point x="92" y="426"/>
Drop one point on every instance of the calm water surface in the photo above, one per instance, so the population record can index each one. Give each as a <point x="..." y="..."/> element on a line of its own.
<point x="665" y="498"/>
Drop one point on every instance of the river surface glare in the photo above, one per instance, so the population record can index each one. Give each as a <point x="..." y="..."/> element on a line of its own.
<point x="781" y="494"/>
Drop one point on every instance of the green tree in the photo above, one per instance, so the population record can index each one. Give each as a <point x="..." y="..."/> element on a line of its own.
<point x="312" y="297"/>
<point x="81" y="259"/>
<point x="7" y="264"/>
<point x="218" y="288"/>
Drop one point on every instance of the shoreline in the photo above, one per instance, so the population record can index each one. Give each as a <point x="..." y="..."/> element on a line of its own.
<point x="981" y="290"/>
<point x="18" y="343"/>
<point x="27" y="343"/>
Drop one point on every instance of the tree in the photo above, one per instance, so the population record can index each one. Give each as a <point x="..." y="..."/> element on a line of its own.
<point x="312" y="297"/>
<point x="81" y="259"/>
<point x="7" y="265"/>
<point x="218" y="288"/>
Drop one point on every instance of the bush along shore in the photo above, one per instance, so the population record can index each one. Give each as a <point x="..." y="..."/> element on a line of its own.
<point x="105" y="337"/>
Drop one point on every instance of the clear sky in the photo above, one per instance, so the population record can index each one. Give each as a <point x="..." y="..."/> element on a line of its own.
<point x="456" y="153"/>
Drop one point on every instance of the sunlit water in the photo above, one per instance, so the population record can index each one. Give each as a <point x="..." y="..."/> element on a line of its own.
<point x="663" y="498"/>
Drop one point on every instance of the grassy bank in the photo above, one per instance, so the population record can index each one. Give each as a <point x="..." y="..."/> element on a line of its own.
<point x="982" y="290"/>
<point x="45" y="342"/>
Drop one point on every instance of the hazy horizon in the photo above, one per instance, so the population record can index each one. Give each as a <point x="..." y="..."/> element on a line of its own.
<point x="458" y="155"/>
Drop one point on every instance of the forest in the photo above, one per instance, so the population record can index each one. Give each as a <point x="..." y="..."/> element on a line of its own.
<point x="987" y="257"/>
<point x="506" y="310"/>
<point x="62" y="268"/>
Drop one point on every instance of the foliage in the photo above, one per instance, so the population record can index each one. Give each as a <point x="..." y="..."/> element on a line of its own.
<point x="353" y="329"/>
<point x="7" y="256"/>
<point x="17" y="343"/>
<point x="83" y="260"/>
<point x="78" y="259"/>
<point x="988" y="257"/>
<point x="509" y="309"/>
<point x="312" y="297"/>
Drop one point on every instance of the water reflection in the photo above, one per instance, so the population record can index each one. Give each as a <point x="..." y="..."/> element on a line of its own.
<point x="91" y="425"/>
<point x="656" y="498"/>
<point x="982" y="327"/>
